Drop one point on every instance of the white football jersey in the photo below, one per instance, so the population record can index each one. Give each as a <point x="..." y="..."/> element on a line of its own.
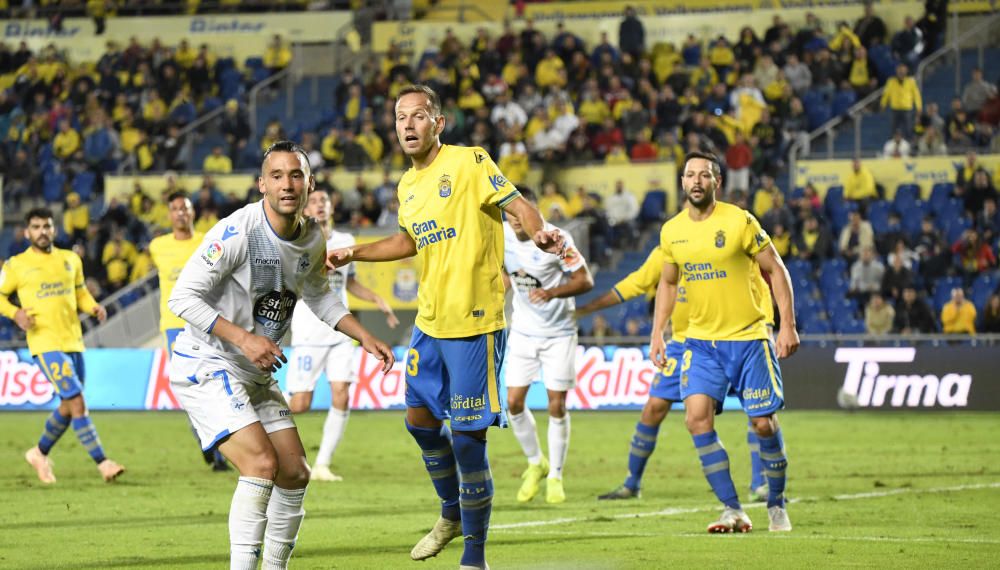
<point x="530" y="268"/>
<point x="246" y="274"/>
<point x="307" y="329"/>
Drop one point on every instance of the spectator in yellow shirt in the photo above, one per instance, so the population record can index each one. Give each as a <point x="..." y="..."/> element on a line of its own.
<point x="277" y="56"/>
<point x="551" y="199"/>
<point x="330" y="147"/>
<point x="67" y="141"/>
<point x="617" y="156"/>
<point x="958" y="316"/>
<point x="119" y="248"/>
<point x="371" y="142"/>
<point x="217" y="162"/>
<point x="902" y="97"/>
<point x="550" y="71"/>
<point x="859" y="186"/>
<point x="76" y="218"/>
<point x="763" y="198"/>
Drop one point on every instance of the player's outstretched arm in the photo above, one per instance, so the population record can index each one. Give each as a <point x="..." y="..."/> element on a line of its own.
<point x="609" y="299"/>
<point x="260" y="350"/>
<point x="389" y="249"/>
<point x="365" y="294"/>
<point x="580" y="281"/>
<point x="550" y="241"/>
<point x="788" y="337"/>
<point x="666" y="297"/>
<point x="375" y="347"/>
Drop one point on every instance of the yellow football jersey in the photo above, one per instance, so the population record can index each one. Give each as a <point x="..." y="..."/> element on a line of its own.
<point x="715" y="257"/>
<point x="169" y="256"/>
<point x="452" y="210"/>
<point x="50" y="288"/>
<point x="643" y="281"/>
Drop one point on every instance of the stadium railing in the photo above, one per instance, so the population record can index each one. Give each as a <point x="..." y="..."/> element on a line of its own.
<point x="856" y="112"/>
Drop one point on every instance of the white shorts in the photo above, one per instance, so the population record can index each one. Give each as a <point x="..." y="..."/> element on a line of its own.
<point x="221" y="402"/>
<point x="554" y="358"/>
<point x="308" y="362"/>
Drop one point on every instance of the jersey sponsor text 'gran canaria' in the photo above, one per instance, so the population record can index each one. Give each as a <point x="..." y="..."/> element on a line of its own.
<point x="452" y="211"/>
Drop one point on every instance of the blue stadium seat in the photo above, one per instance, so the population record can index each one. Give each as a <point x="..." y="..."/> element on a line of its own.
<point x="955" y="227"/>
<point x="842" y="101"/>
<point x="942" y="290"/>
<point x="907" y="196"/>
<point x="52" y="186"/>
<point x="982" y="288"/>
<point x="940" y="194"/>
<point x="841" y="307"/>
<point x="816" y="326"/>
<point x="849" y="326"/>
<point x="912" y="219"/>
<point x="834" y="197"/>
<point x="878" y="215"/>
<point x="819" y="116"/>
<point x="83" y="184"/>
<point x="654" y="206"/>
<point x="260" y="74"/>
<point x="254" y="62"/>
<point x="837" y="265"/>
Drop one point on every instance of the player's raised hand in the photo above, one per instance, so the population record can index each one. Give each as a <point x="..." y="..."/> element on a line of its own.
<point x="100" y="313"/>
<point x="658" y="351"/>
<point x="551" y="241"/>
<point x="339" y="257"/>
<point x="262" y="352"/>
<point x="379" y="350"/>
<point x="24" y="320"/>
<point x="788" y="342"/>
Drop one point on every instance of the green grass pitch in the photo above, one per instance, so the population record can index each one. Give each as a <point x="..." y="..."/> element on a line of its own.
<point x="897" y="490"/>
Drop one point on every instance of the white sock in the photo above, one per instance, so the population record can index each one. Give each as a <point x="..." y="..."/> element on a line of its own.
<point x="333" y="430"/>
<point x="247" y="520"/>
<point x="284" y="517"/>
<point x="558" y="445"/>
<point x="527" y="436"/>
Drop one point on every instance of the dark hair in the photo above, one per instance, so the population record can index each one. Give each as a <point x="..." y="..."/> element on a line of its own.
<point x="178" y="194"/>
<point x="43" y="213"/>
<point x="286" y="146"/>
<point x="716" y="168"/>
<point x="527" y="193"/>
<point x="432" y="97"/>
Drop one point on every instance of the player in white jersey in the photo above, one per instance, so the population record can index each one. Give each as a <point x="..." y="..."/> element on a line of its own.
<point x="236" y="294"/>
<point x="542" y="340"/>
<point x="318" y="348"/>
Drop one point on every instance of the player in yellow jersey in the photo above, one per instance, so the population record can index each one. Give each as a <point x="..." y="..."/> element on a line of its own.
<point x="170" y="252"/>
<point x="716" y="247"/>
<point x="49" y="285"/>
<point x="451" y="202"/>
<point x="665" y="389"/>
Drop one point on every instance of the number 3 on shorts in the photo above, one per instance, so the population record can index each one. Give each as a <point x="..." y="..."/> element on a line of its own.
<point x="686" y="364"/>
<point x="412" y="360"/>
<point x="668" y="370"/>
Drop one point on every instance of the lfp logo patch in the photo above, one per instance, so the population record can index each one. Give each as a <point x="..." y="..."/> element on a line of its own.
<point x="212" y="253"/>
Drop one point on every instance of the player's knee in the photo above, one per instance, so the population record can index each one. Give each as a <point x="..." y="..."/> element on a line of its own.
<point x="696" y="424"/>
<point x="557" y="407"/>
<point x="654" y="411"/>
<point x="515" y="405"/>
<point x="75" y="406"/>
<point x="295" y="476"/>
<point x="339" y="399"/>
<point x="765" y="426"/>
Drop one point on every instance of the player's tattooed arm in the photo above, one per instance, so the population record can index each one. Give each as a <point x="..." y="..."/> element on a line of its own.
<point x="788" y="338"/>
<point x="666" y="297"/>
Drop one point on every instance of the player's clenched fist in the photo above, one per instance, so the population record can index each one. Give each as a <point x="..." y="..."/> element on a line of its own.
<point x="339" y="257"/>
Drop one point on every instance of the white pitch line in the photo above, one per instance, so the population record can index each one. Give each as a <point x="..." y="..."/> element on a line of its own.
<point x="690" y="510"/>
<point x="855" y="538"/>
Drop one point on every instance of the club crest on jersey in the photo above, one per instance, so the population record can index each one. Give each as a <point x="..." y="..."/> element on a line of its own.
<point x="444" y="186"/>
<point x="67" y="266"/>
<point x="304" y="263"/>
<point x="720" y="239"/>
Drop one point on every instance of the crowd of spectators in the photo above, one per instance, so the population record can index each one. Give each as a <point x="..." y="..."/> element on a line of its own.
<point x="65" y="124"/>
